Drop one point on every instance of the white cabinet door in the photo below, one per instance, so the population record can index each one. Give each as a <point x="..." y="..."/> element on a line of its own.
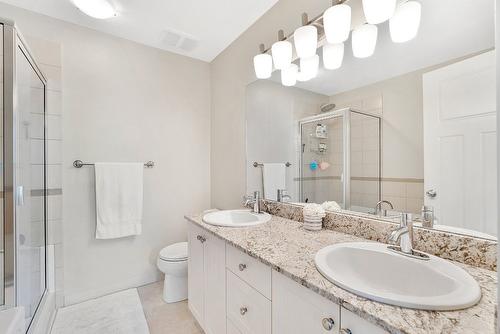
<point x="353" y="324"/>
<point x="298" y="310"/>
<point x="196" y="275"/>
<point x="215" y="285"/>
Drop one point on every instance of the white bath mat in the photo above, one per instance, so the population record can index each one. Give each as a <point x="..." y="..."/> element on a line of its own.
<point x="118" y="313"/>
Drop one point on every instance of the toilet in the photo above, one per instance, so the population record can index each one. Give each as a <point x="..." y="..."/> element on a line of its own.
<point x="172" y="261"/>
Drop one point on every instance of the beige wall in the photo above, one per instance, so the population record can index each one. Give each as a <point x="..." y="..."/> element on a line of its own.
<point x="231" y="72"/>
<point x="126" y="102"/>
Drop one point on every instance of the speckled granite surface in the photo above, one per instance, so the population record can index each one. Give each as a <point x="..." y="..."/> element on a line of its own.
<point x="285" y="246"/>
<point x="469" y="250"/>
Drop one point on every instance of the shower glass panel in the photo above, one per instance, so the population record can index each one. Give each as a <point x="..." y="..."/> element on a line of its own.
<point x="340" y="159"/>
<point x="2" y="226"/>
<point x="322" y="147"/>
<point x="30" y="184"/>
<point x="365" y="162"/>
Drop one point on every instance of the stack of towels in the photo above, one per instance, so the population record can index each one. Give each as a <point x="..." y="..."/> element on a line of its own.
<point x="313" y="216"/>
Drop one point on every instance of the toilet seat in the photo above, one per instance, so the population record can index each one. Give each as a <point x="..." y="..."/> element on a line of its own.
<point x="175" y="253"/>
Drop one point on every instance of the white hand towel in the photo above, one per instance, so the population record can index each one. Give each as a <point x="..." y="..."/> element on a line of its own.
<point x="274" y="175"/>
<point x="118" y="194"/>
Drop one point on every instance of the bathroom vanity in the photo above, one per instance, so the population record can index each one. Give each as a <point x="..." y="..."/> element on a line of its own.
<point x="263" y="279"/>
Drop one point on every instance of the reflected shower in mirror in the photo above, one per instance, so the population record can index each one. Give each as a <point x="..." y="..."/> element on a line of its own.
<point x="410" y="129"/>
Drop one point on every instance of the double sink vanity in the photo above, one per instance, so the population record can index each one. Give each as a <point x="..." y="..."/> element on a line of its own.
<point x="263" y="273"/>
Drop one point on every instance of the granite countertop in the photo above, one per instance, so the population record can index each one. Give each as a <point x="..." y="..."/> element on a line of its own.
<point x="288" y="248"/>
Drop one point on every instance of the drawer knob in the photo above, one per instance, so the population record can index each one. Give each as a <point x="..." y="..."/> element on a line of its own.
<point x="201" y="239"/>
<point x="328" y="323"/>
<point x="345" y="331"/>
<point x="242" y="266"/>
<point x="243" y="310"/>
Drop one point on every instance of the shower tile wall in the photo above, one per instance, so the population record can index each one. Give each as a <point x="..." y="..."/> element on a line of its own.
<point x="48" y="56"/>
<point x="406" y="194"/>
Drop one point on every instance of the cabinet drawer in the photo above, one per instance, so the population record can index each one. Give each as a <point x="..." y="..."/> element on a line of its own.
<point x="356" y="325"/>
<point x="247" y="309"/>
<point x="251" y="270"/>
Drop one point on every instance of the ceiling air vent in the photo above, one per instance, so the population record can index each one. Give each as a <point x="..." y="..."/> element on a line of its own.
<point x="179" y="40"/>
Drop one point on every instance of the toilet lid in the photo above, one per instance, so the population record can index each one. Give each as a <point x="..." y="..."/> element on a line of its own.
<point x="175" y="252"/>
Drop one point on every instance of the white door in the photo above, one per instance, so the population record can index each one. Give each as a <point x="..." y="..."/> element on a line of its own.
<point x="196" y="277"/>
<point x="214" y="263"/>
<point x="460" y="143"/>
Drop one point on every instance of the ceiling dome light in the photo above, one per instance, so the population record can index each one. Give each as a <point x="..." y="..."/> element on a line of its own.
<point x="333" y="55"/>
<point x="364" y="40"/>
<point x="263" y="65"/>
<point x="289" y="75"/>
<point x="99" y="9"/>
<point x="337" y="23"/>
<point x="309" y="67"/>
<point x="306" y="41"/>
<point x="378" y="11"/>
<point x="282" y="54"/>
<point x="405" y="22"/>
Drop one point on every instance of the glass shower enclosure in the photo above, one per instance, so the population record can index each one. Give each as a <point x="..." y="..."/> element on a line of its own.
<point x="340" y="159"/>
<point x="23" y="280"/>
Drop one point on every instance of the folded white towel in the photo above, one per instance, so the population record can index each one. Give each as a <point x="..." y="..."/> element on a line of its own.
<point x="331" y="206"/>
<point x="274" y="175"/>
<point x="118" y="194"/>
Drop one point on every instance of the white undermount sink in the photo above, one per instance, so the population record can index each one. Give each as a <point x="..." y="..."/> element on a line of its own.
<point x="236" y="218"/>
<point x="373" y="271"/>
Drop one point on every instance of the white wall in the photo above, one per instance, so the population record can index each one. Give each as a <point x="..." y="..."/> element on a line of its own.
<point x="231" y="72"/>
<point x="272" y="122"/>
<point x="126" y="102"/>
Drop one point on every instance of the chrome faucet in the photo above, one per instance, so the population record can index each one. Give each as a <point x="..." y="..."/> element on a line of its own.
<point x="281" y="195"/>
<point x="404" y="234"/>
<point x="255" y="201"/>
<point x="427" y="216"/>
<point x="378" y="207"/>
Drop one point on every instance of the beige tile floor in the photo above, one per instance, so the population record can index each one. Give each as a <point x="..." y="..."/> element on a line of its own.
<point x="163" y="318"/>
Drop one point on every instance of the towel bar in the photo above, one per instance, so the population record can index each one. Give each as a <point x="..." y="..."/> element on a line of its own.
<point x="80" y="164"/>
<point x="257" y="164"/>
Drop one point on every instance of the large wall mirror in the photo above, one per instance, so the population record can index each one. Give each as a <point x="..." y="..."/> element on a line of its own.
<point x="410" y="129"/>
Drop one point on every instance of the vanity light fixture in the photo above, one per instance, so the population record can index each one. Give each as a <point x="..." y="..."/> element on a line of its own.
<point x="334" y="25"/>
<point x="364" y="40"/>
<point x="98" y="9"/>
<point x="306" y="39"/>
<point x="282" y="52"/>
<point x="309" y="67"/>
<point x="263" y="64"/>
<point x="337" y="23"/>
<point x="405" y="22"/>
<point x="333" y="55"/>
<point x="378" y="11"/>
<point x="289" y="75"/>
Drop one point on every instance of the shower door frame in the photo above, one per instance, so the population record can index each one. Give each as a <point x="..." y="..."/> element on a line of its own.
<point x="345" y="178"/>
<point x="12" y="40"/>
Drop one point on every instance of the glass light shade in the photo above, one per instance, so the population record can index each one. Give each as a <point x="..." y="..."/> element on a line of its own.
<point x="263" y="65"/>
<point x="337" y="23"/>
<point x="333" y="55"/>
<point x="282" y="54"/>
<point x="309" y="67"/>
<point x="405" y="22"/>
<point x="289" y="75"/>
<point x="99" y="9"/>
<point x="302" y="77"/>
<point x="364" y="40"/>
<point x="378" y="11"/>
<point x="306" y="41"/>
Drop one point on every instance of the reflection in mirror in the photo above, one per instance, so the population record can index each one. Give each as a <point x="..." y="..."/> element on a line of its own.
<point x="410" y="129"/>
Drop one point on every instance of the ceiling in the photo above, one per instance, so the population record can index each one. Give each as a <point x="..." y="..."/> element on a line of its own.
<point x="198" y="29"/>
<point x="449" y="29"/>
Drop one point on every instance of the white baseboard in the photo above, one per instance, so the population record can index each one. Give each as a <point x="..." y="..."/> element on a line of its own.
<point x="129" y="283"/>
